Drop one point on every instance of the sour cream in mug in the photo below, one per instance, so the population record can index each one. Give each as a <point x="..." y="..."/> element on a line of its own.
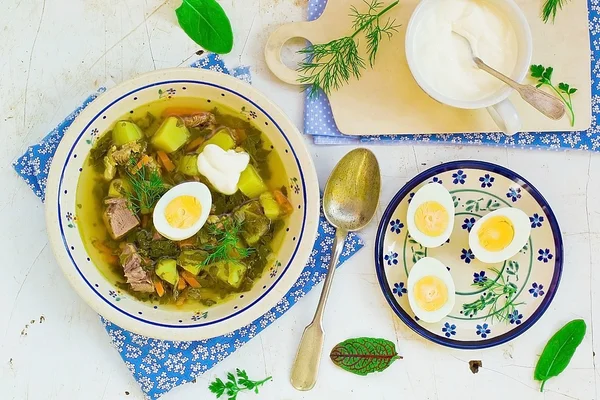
<point x="444" y="58"/>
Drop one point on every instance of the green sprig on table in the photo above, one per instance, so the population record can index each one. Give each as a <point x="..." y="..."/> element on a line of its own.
<point x="206" y="23"/>
<point x="364" y="355"/>
<point x="564" y="90"/>
<point x="559" y="351"/>
<point x="550" y="9"/>
<point x="234" y="385"/>
<point x="329" y="66"/>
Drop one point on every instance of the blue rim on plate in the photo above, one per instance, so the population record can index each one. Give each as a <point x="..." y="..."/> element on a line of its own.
<point x="408" y="319"/>
<point x="69" y="250"/>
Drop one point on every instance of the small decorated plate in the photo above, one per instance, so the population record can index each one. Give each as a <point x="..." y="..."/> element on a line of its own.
<point x="494" y="302"/>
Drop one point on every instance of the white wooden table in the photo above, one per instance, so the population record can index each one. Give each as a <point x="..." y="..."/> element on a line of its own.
<point x="53" y="53"/>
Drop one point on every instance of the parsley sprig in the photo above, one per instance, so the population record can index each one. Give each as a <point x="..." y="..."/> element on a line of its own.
<point x="329" y="66"/>
<point x="233" y="386"/>
<point x="564" y="90"/>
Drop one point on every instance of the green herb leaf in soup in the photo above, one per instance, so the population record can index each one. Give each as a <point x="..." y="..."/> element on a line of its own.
<point x="206" y="23"/>
<point x="364" y="355"/>
<point x="559" y="350"/>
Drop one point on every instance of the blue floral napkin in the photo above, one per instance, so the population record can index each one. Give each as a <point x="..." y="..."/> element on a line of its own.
<point x="159" y="365"/>
<point x="319" y="122"/>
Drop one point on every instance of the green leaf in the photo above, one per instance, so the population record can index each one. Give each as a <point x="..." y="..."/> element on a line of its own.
<point x="559" y="350"/>
<point x="548" y="74"/>
<point x="206" y="23"/>
<point x="563" y="87"/>
<point x="572" y="90"/>
<point x="537" y="71"/>
<point x="364" y="355"/>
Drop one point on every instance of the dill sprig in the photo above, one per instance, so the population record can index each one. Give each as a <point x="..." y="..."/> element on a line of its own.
<point x="495" y="290"/>
<point x="147" y="188"/>
<point x="550" y="9"/>
<point x="227" y="245"/>
<point x="330" y="65"/>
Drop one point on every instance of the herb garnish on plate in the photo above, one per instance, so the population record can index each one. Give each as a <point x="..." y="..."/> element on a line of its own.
<point x="329" y="66"/>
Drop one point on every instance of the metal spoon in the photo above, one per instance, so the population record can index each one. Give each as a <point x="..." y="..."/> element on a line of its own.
<point x="544" y="102"/>
<point x="350" y="200"/>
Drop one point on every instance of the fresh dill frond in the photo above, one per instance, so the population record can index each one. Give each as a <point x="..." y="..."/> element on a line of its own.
<point x="329" y="66"/>
<point x="227" y="247"/>
<point x="147" y="187"/>
<point x="550" y="9"/>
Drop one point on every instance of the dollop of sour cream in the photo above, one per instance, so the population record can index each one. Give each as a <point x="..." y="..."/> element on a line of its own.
<point x="444" y="58"/>
<point x="222" y="168"/>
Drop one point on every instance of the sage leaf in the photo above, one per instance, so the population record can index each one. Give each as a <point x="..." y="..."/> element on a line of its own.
<point x="206" y="23"/>
<point x="559" y="350"/>
<point x="364" y="355"/>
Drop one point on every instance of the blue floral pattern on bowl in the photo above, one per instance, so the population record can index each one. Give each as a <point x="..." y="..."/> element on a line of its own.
<point x="515" y="317"/>
<point x="396" y="226"/>
<point x="514" y="194"/>
<point x="483" y="330"/>
<point x="449" y="329"/>
<point x="537" y="289"/>
<point x="468" y="224"/>
<point x="479" y="277"/>
<point x="536" y="220"/>
<point x="391" y="258"/>
<point x="459" y="177"/>
<point x="399" y="289"/>
<point x="484" y="315"/>
<point x="486" y="181"/>
<point x="545" y="255"/>
<point x="467" y="255"/>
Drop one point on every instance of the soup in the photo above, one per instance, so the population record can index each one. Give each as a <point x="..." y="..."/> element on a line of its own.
<point x="182" y="205"/>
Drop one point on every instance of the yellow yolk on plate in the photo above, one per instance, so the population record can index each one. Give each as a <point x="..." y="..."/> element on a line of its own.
<point x="431" y="218"/>
<point x="183" y="211"/>
<point x="496" y="234"/>
<point x="431" y="293"/>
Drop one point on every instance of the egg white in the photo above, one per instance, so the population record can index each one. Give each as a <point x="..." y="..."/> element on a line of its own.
<point x="522" y="227"/>
<point x="429" y="266"/>
<point x="430" y="192"/>
<point x="195" y="189"/>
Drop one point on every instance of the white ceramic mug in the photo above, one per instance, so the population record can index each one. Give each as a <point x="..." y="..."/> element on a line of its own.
<point x="501" y="109"/>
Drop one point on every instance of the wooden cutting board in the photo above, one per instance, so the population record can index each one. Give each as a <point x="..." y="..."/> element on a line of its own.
<point x="388" y="100"/>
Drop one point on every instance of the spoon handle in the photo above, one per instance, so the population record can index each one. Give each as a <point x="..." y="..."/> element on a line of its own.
<point x="306" y="366"/>
<point x="544" y="102"/>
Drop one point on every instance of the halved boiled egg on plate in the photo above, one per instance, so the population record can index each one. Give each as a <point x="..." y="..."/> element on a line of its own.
<point x="499" y="235"/>
<point x="431" y="291"/>
<point x="182" y="211"/>
<point x="430" y="216"/>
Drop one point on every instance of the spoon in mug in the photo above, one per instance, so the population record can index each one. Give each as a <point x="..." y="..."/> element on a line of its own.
<point x="544" y="102"/>
<point x="349" y="203"/>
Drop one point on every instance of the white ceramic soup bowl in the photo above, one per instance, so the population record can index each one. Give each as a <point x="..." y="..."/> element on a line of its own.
<point x="497" y="104"/>
<point x="167" y="322"/>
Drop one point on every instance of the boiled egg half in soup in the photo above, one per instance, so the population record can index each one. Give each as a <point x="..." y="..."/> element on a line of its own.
<point x="499" y="235"/>
<point x="430" y="216"/>
<point x="182" y="211"/>
<point x="431" y="292"/>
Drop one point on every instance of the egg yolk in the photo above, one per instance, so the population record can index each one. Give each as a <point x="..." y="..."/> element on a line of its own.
<point x="431" y="218"/>
<point x="183" y="212"/>
<point x="496" y="234"/>
<point x="431" y="293"/>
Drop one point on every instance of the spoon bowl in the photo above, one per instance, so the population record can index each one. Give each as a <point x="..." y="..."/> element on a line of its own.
<point x="352" y="191"/>
<point x="349" y="203"/>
